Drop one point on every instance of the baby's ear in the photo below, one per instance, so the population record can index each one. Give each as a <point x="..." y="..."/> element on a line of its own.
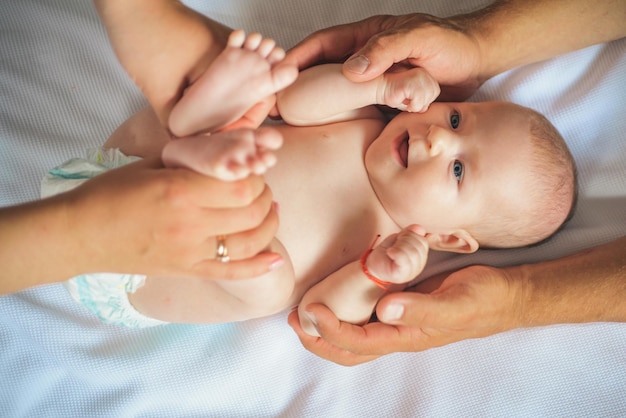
<point x="458" y="242"/>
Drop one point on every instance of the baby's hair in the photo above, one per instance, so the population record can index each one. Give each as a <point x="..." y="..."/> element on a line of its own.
<point x="553" y="191"/>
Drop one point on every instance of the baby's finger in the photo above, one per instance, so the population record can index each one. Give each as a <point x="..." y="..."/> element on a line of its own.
<point x="410" y="250"/>
<point x="408" y="243"/>
<point x="388" y="242"/>
<point x="416" y="229"/>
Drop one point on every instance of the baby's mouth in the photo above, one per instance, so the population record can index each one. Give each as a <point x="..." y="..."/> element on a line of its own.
<point x="403" y="149"/>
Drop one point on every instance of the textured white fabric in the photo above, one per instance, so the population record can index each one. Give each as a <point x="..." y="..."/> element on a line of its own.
<point x="63" y="92"/>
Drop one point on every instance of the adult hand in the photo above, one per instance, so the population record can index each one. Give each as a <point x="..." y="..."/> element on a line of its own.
<point x="143" y="218"/>
<point x="444" y="47"/>
<point x="474" y="302"/>
<point x="165" y="47"/>
<point x="463" y="51"/>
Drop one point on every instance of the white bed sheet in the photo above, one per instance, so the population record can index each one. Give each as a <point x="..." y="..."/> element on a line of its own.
<point x="63" y="91"/>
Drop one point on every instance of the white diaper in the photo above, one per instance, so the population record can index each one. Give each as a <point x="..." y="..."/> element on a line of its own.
<point x="104" y="294"/>
<point x="76" y="171"/>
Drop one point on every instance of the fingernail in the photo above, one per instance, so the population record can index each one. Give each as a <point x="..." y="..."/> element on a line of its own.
<point x="357" y="64"/>
<point x="393" y="312"/>
<point x="276" y="207"/>
<point x="311" y="318"/>
<point x="279" y="261"/>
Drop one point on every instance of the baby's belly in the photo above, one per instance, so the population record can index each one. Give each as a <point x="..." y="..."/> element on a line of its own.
<point x="329" y="213"/>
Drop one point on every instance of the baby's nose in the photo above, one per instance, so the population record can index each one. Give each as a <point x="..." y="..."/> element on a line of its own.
<point x="437" y="140"/>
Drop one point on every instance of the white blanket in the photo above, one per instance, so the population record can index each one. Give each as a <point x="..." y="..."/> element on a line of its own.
<point x="63" y="91"/>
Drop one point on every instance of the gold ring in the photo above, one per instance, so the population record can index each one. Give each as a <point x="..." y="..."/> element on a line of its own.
<point x="221" y="254"/>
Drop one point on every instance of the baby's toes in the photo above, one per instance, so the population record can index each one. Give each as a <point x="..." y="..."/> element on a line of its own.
<point x="231" y="171"/>
<point x="237" y="38"/>
<point x="257" y="165"/>
<point x="267" y="159"/>
<point x="276" y="55"/>
<point x="268" y="138"/>
<point x="266" y="47"/>
<point x="258" y="168"/>
<point x="253" y="41"/>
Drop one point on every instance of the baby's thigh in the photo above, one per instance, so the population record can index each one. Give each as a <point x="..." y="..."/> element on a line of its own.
<point x="192" y="300"/>
<point x="142" y="135"/>
<point x="199" y="301"/>
<point x="182" y="300"/>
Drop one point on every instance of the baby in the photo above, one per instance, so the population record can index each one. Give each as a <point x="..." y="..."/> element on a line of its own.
<point x="453" y="178"/>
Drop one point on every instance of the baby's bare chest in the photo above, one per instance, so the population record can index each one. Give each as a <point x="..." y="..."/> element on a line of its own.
<point x="329" y="213"/>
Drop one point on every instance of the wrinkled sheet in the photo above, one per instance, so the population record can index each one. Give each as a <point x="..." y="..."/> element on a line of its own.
<point x="63" y="91"/>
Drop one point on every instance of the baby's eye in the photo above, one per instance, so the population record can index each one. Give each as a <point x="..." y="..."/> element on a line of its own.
<point x="458" y="170"/>
<point x="455" y="119"/>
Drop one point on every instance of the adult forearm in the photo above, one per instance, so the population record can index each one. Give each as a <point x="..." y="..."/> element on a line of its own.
<point x="34" y="245"/>
<point x="512" y="33"/>
<point x="589" y="286"/>
<point x="112" y="10"/>
<point x="163" y="45"/>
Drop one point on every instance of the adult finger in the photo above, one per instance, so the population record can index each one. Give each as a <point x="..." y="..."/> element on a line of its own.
<point x="246" y="241"/>
<point x="420" y="310"/>
<point x="473" y="302"/>
<point x="186" y="185"/>
<point x="378" y="55"/>
<point x="371" y="340"/>
<point x="324" y="349"/>
<point x="224" y="221"/>
<point x="333" y="44"/>
<point x="253" y="117"/>
<point x="239" y="269"/>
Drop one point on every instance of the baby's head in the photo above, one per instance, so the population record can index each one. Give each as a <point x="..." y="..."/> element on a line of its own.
<point x="490" y="174"/>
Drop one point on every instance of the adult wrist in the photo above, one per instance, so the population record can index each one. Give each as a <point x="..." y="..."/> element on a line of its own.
<point x="36" y="243"/>
<point x="588" y="286"/>
<point x="478" y="27"/>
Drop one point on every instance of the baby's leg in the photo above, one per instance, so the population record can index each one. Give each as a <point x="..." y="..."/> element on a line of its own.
<point x="229" y="155"/>
<point x="190" y="300"/>
<point x="412" y="90"/>
<point x="244" y="74"/>
<point x="141" y="135"/>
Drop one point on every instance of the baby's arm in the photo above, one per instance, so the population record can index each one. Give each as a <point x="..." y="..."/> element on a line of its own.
<point x="351" y="295"/>
<point x="322" y="94"/>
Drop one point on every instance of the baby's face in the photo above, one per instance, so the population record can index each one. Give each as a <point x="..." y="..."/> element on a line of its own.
<point x="442" y="168"/>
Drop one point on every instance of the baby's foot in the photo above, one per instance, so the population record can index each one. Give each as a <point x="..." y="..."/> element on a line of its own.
<point x="400" y="257"/>
<point x="248" y="71"/>
<point x="411" y="90"/>
<point x="228" y="156"/>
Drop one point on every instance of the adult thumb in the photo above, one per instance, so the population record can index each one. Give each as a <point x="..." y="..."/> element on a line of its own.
<point x="377" y="56"/>
<point x="418" y="310"/>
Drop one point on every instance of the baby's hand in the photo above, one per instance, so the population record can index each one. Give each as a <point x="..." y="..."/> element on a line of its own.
<point x="400" y="257"/>
<point x="411" y="90"/>
<point x="228" y="156"/>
